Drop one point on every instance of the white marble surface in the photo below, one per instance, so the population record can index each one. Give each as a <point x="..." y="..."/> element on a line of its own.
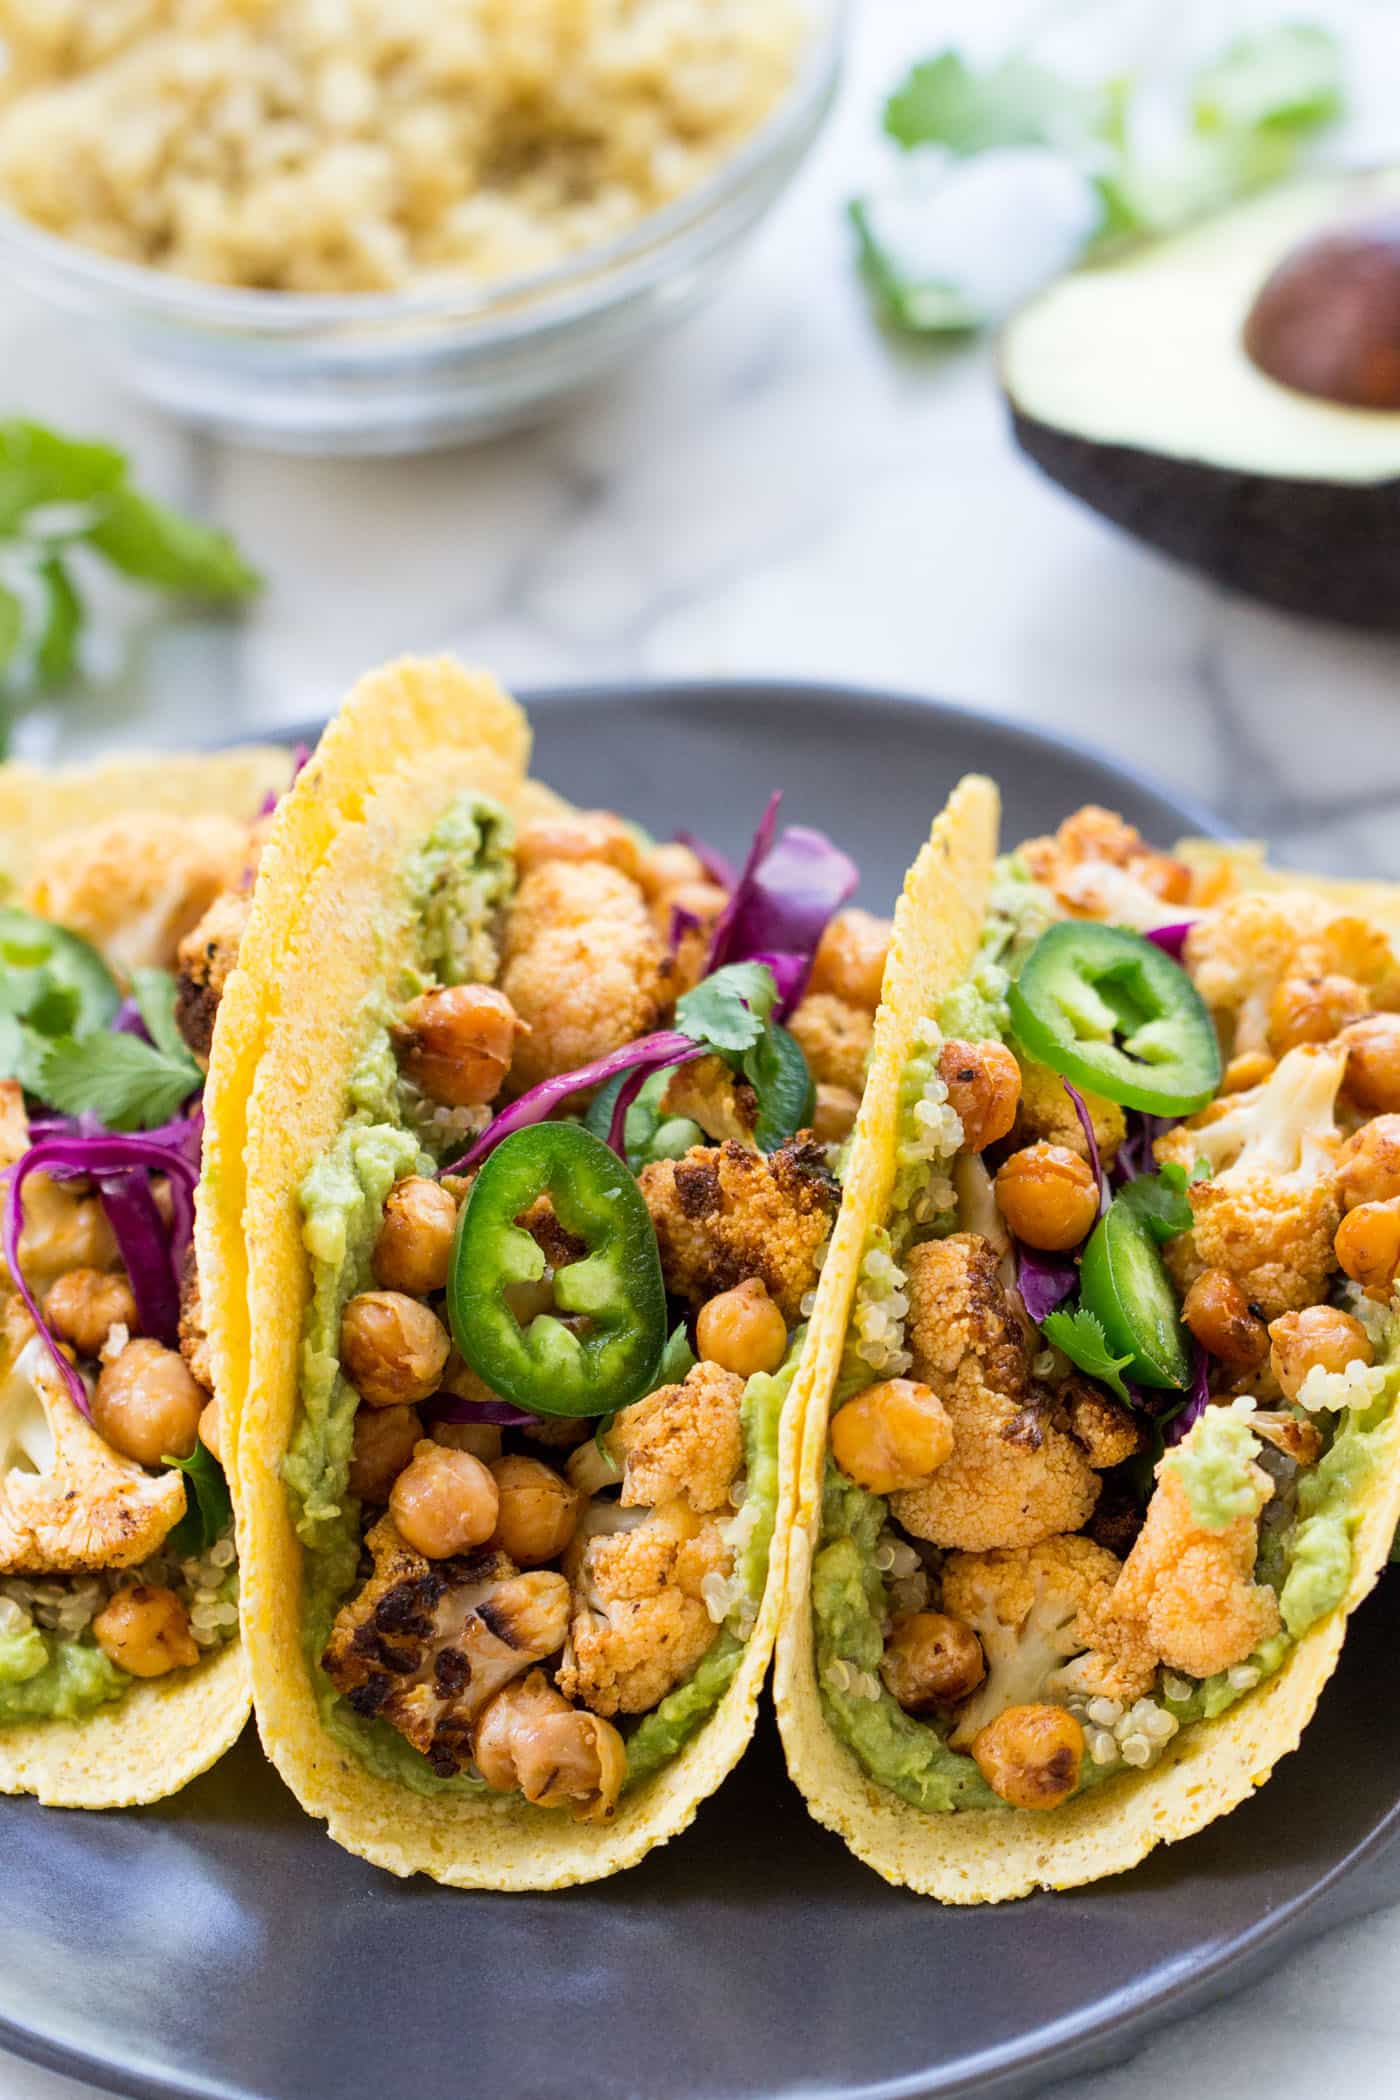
<point x="778" y="490"/>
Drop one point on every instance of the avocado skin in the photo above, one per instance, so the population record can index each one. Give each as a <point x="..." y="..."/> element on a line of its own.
<point x="1328" y="550"/>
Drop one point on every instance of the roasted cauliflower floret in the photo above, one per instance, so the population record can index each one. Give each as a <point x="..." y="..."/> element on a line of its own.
<point x="426" y="1643"/>
<point x="1105" y="1431"/>
<point x="135" y="885"/>
<point x="584" y="967"/>
<point x="1015" y="1476"/>
<point x="682" y="1440"/>
<point x="1243" y="952"/>
<point x="1187" y="1588"/>
<point x="1099" y="867"/>
<point x="1043" y="1617"/>
<point x="66" y="1499"/>
<point x="206" y="960"/>
<point x="640" y="1621"/>
<point x="711" y="1094"/>
<point x="1269" y="1211"/>
<point x="834" y="1037"/>
<point x="1047" y="1115"/>
<point x="723" y="1213"/>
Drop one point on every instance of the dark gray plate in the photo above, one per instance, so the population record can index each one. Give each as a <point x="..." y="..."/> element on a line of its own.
<point x="220" y="1945"/>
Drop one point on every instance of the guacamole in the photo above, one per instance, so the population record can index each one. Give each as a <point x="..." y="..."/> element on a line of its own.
<point x="1215" y="1465"/>
<point x="43" y="1678"/>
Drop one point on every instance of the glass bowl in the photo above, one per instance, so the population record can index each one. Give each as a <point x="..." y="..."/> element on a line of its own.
<point x="407" y="371"/>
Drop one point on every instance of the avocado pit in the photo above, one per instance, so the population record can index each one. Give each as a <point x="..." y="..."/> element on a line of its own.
<point x="1327" y="320"/>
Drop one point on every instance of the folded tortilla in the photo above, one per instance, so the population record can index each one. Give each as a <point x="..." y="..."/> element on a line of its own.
<point x="1211" y="1766"/>
<point x="163" y="1732"/>
<point x="406" y="745"/>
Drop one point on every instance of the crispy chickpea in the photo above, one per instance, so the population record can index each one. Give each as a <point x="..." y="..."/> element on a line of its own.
<point x="538" y="1512"/>
<point x="1373" y="1063"/>
<point x="414" y="1250"/>
<point x="586" y="834"/>
<point x="1313" y="1010"/>
<point x="1368" y="1245"/>
<point x="456" y="1043"/>
<point x="1219" y="1315"/>
<point x="891" y="1436"/>
<point x="850" y="958"/>
<point x="210" y="1434"/>
<point x="1031" y="1755"/>
<point x="667" y="866"/>
<point x="146" y="1405"/>
<point x="1368" y="1168"/>
<point x="1048" y="1196"/>
<point x="444" y="1501"/>
<point x="1321" y="1336"/>
<point x="742" y="1330"/>
<point x="482" y="1439"/>
<point x="385" y="1440"/>
<point x="931" y="1662"/>
<point x="393" y="1348"/>
<point x="529" y="1737"/>
<point x="85" y="1305"/>
<point x="984" y="1089"/>
<point x="833" y="1118"/>
<point x="146" y="1630"/>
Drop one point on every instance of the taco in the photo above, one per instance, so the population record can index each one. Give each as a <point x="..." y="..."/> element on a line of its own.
<point x="1104" y="1445"/>
<point x="122" y="888"/>
<point x="538" y="1184"/>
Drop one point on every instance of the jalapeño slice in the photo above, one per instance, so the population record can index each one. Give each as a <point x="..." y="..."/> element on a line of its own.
<point x="600" y="1346"/>
<point x="1108" y="1010"/>
<point x="1124" y="1283"/>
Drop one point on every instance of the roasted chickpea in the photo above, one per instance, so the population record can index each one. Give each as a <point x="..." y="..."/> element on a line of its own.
<point x="834" y="1116"/>
<point x="1031" y="1755"/>
<point x="984" y="1089"/>
<point x="414" y="1250"/>
<point x="742" y="1330"/>
<point x="1048" y="1196"/>
<point x="1321" y="1336"/>
<point x="1166" y="877"/>
<point x="482" y="1439"/>
<point x="210" y="1433"/>
<point x="444" y="1501"/>
<point x="538" y="1512"/>
<point x="585" y="834"/>
<point x="1222" y="1320"/>
<point x="85" y="1305"/>
<point x="394" y="1349"/>
<point x="1368" y="1245"/>
<point x="146" y="1630"/>
<point x="146" y="1405"/>
<point x="529" y="1738"/>
<point x="850" y="958"/>
<point x="1313" y="1010"/>
<point x="931" y="1662"/>
<point x="891" y="1436"/>
<point x="667" y="866"/>
<point x="456" y="1043"/>
<point x="385" y="1440"/>
<point x="1373" y="1063"/>
<point x="1368" y="1167"/>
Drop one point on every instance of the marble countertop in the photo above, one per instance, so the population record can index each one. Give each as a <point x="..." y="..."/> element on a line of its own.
<point x="779" y="490"/>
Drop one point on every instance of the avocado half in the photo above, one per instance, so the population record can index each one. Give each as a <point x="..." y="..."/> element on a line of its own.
<point x="1130" y="383"/>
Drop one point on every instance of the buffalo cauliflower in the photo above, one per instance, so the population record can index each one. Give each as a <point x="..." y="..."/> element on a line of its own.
<point x="640" y="1621"/>
<point x="1100" y="867"/>
<point x="710" y="1093"/>
<point x="1187" y="1588"/>
<point x="1243" y="952"/>
<point x="682" y="1440"/>
<point x="1042" y="1616"/>
<point x="834" y="1037"/>
<point x="135" y="885"/>
<point x="1047" y="1115"/>
<point x="584" y="967"/>
<point x="723" y="1213"/>
<point x="1268" y="1213"/>
<point x="1015" y="1476"/>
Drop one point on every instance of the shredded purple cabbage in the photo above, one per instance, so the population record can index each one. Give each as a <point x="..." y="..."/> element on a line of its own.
<point x="786" y="894"/>
<point x="682" y="923"/>
<point x="632" y="1086"/>
<point x="1135" y="1154"/>
<point x="1086" y="1124"/>
<point x="300" y="754"/>
<point x="127" y="1021"/>
<point x="718" y="866"/>
<point x="650" y="1052"/>
<point x="1171" y="939"/>
<point x="146" y="1252"/>
<point x="1198" y="1398"/>
<point x="1044" y="1281"/>
<point x="500" y="1412"/>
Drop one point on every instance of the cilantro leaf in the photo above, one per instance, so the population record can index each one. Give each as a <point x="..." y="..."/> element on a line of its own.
<point x="56" y="652"/>
<point x="1160" y="1202"/>
<point x="39" y="466"/>
<point x="678" y="1359"/>
<point x="923" y="305"/>
<point x="1080" y="1335"/>
<point x="122" y="1081"/>
<point x="208" y="1506"/>
<point x="1288" y="78"/>
<point x="155" y="545"/>
<point x="11" y="625"/>
<point x="944" y="102"/>
<point x="727" y="1010"/>
<point x="777" y="1071"/>
<point x="154" y="993"/>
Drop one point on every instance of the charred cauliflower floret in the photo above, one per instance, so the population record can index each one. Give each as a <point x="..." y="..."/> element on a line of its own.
<point x="834" y="1037"/>
<point x="682" y="1440"/>
<point x="1268" y="1213"/>
<point x="66" y="1499"/>
<point x="640" y="1622"/>
<point x="1101" y="868"/>
<point x="135" y="885"/>
<point x="1246" y="954"/>
<point x="1187" y="1588"/>
<point x="1047" y="1115"/>
<point x="1105" y="1431"/>
<point x="723" y="1213"/>
<point x="1043" y="1618"/>
<point x="426" y="1643"/>
<point x="584" y="967"/>
<point x="206" y="959"/>
<point x="713" y="1095"/>
<point x="1015" y="1476"/>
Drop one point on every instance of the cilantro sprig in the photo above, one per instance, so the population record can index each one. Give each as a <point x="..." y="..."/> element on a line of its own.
<point x="66" y="1057"/>
<point x="1080" y="1335"/>
<point x="731" y="1013"/>
<point x="208" y="1505"/>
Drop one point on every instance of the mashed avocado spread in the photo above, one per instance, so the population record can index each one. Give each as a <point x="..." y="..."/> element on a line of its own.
<point x="43" y="1678"/>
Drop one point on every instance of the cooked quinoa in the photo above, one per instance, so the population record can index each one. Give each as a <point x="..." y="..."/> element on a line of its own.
<point x="334" y="146"/>
<point x="66" y="1605"/>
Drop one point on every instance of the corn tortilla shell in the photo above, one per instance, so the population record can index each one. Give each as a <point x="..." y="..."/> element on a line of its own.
<point x="988" y="1857"/>
<point x="1219" y="869"/>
